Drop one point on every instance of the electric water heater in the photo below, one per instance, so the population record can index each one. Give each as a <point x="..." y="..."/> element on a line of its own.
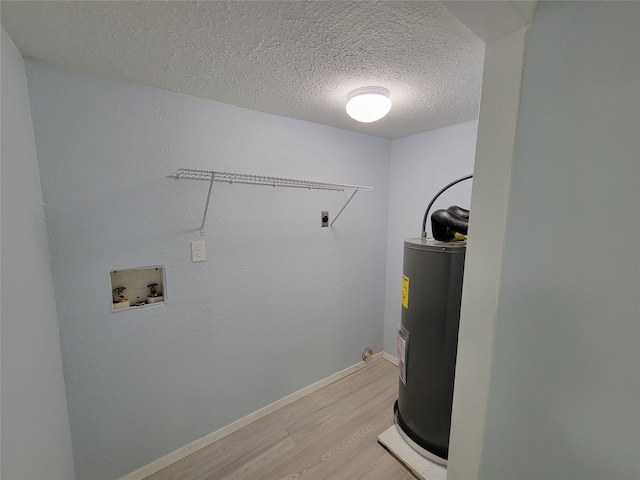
<point x="427" y="343"/>
<point x="433" y="270"/>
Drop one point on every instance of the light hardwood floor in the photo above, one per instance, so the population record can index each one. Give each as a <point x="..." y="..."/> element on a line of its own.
<point x="329" y="434"/>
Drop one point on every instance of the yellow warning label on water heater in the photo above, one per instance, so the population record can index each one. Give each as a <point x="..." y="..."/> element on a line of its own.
<point x="405" y="291"/>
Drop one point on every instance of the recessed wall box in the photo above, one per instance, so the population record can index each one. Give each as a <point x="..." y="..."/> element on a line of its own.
<point x="135" y="288"/>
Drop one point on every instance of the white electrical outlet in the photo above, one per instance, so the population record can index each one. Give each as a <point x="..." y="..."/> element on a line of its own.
<point x="197" y="251"/>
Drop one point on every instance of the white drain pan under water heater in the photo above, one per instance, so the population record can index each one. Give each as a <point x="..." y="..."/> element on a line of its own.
<point x="428" y="340"/>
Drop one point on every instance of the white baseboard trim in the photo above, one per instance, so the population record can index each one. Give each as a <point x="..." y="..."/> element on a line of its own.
<point x="182" y="452"/>
<point x="390" y="358"/>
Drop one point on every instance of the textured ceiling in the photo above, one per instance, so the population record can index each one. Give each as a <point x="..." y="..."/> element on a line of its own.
<point x="291" y="58"/>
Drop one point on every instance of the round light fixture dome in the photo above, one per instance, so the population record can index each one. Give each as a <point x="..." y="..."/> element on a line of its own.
<point x="368" y="104"/>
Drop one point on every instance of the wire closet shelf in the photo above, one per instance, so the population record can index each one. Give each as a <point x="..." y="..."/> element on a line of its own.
<point x="242" y="178"/>
<point x="226" y="177"/>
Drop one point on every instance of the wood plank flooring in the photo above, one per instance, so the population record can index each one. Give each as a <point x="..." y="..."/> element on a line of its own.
<point x="330" y="434"/>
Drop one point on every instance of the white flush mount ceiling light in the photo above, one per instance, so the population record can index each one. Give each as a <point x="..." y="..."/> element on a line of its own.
<point x="368" y="104"/>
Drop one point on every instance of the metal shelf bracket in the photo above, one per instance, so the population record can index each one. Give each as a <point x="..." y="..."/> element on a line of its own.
<point x="343" y="207"/>
<point x="206" y="206"/>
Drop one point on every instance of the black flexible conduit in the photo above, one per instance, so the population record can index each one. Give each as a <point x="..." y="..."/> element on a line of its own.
<point x="426" y="213"/>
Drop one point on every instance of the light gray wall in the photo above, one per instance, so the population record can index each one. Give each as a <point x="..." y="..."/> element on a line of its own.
<point x="420" y="166"/>
<point x="36" y="441"/>
<point x="565" y="391"/>
<point x="280" y="302"/>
